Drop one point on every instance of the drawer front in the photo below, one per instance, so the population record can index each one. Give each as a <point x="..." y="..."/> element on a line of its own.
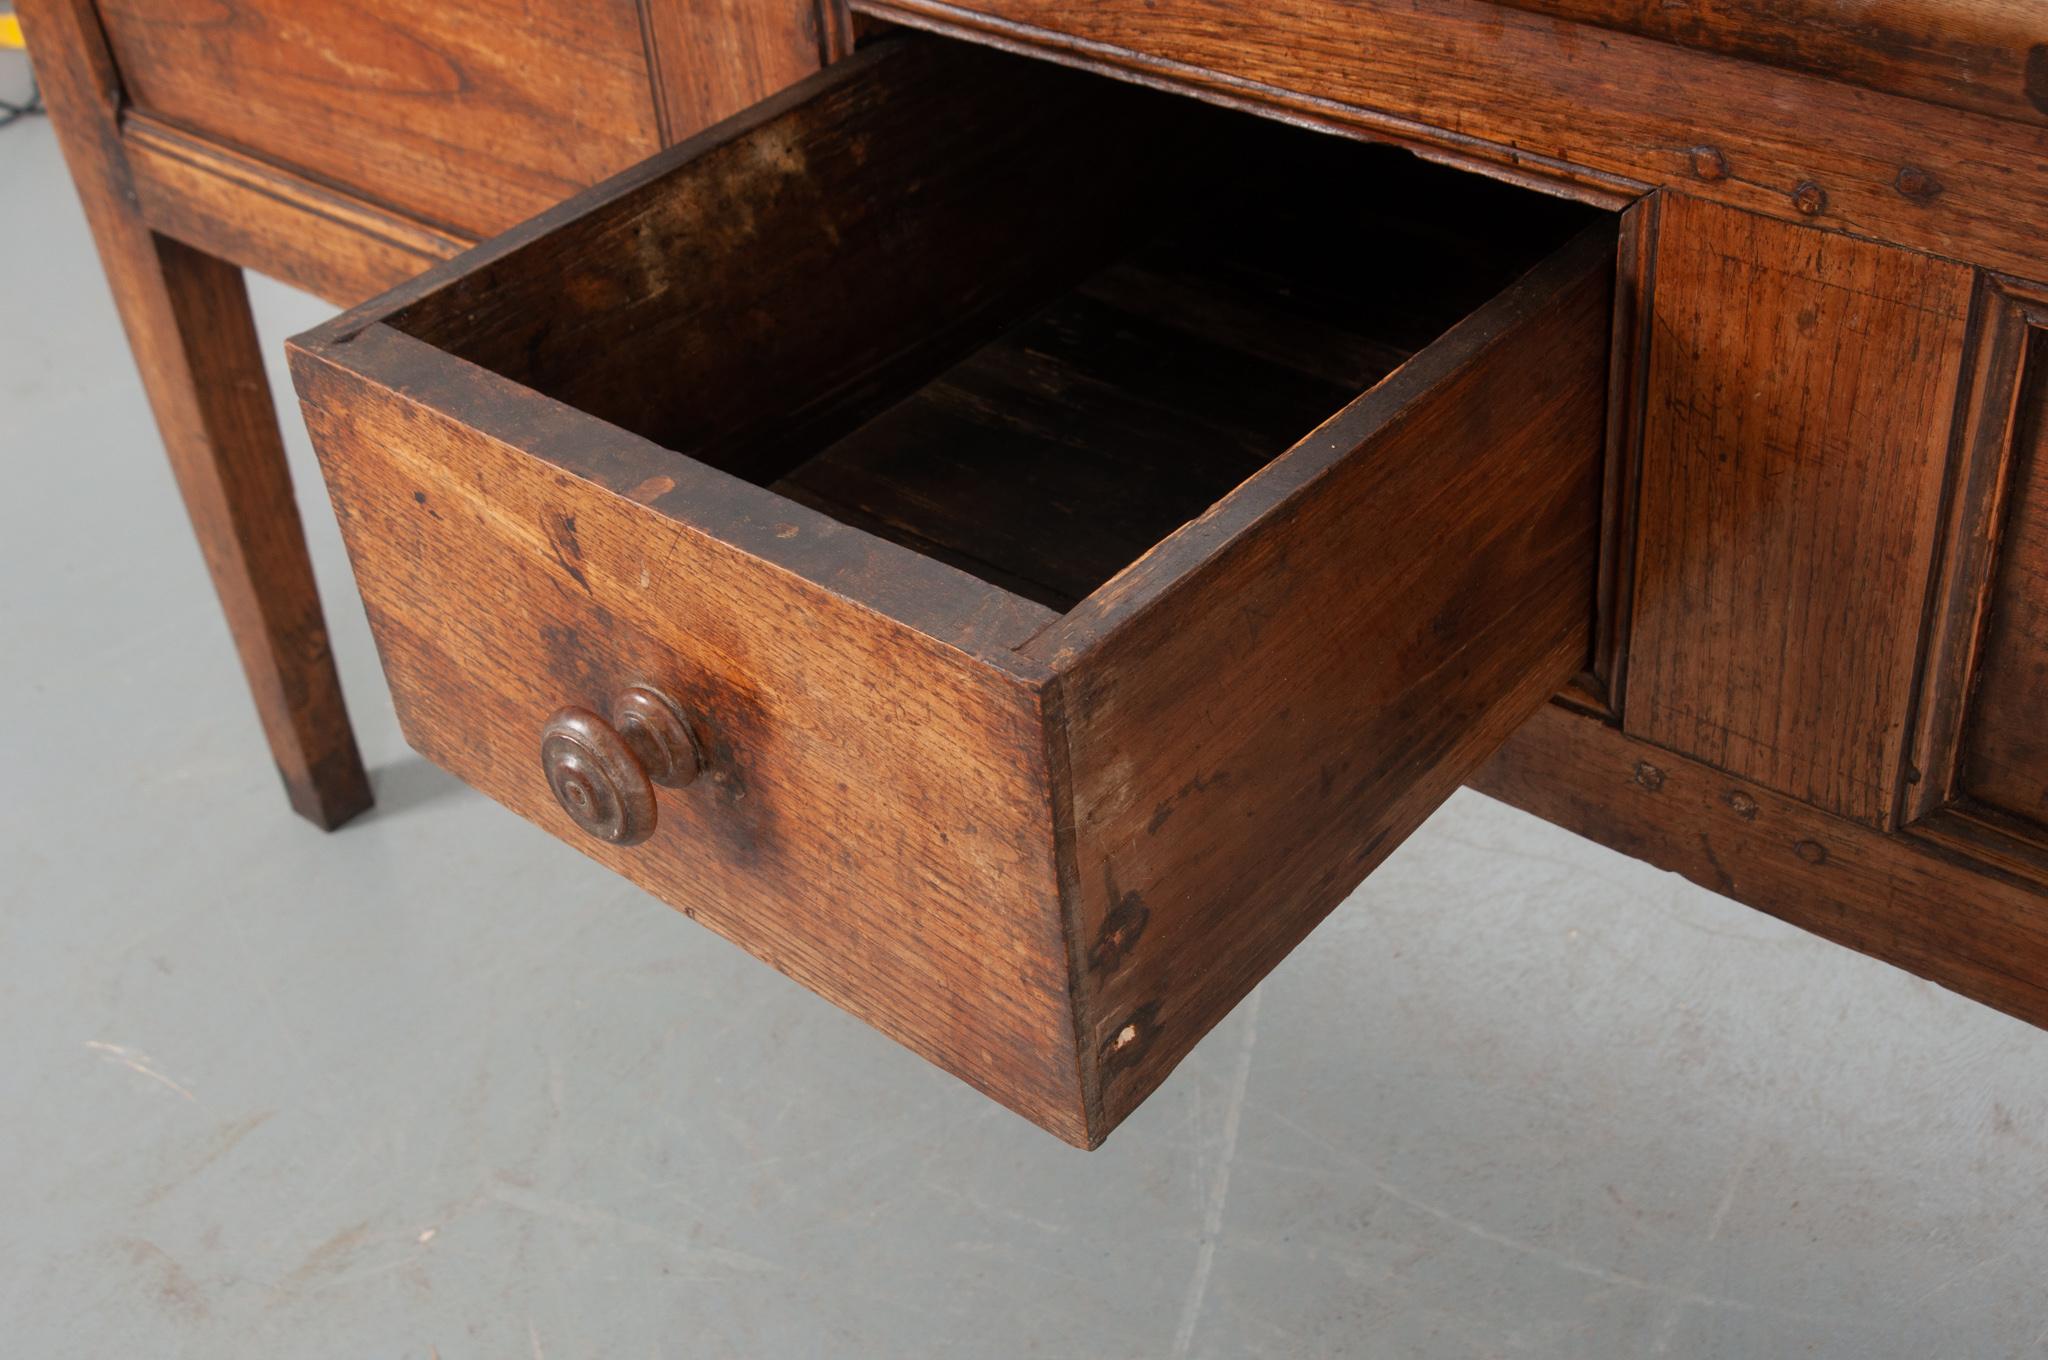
<point x="1045" y="837"/>
<point x="872" y="819"/>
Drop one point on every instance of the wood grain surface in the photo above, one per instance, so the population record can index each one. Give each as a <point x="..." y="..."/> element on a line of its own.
<point x="709" y="59"/>
<point x="467" y="114"/>
<point x="874" y="819"/>
<point x="902" y="205"/>
<point x="1987" y="55"/>
<point x="1795" y="450"/>
<point x="1265" y="706"/>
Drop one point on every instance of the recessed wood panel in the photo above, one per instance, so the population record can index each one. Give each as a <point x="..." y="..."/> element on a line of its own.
<point x="2005" y="759"/>
<point x="1796" y="440"/>
<point x="469" y="114"/>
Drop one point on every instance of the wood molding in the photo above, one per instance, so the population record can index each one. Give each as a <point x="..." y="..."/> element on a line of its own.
<point x="2015" y="849"/>
<point x="2004" y="313"/>
<point x="1627" y="378"/>
<point x="261" y="216"/>
<point x="1981" y="750"/>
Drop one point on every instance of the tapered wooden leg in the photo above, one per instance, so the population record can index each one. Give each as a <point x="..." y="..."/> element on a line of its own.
<point x="188" y="323"/>
<point x="222" y="435"/>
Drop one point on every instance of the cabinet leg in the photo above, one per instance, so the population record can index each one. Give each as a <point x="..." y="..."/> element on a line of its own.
<point x="188" y="323"/>
<point x="213" y="404"/>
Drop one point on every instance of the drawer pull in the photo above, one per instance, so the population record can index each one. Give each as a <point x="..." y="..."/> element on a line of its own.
<point x="603" y="773"/>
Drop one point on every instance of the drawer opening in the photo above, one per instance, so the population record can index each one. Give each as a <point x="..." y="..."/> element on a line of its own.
<point x="1018" y="319"/>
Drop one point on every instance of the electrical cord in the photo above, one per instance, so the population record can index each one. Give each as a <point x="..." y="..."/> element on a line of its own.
<point x="14" y="113"/>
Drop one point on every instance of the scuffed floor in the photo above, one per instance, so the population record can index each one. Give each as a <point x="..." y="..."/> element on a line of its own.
<point x="437" y="1086"/>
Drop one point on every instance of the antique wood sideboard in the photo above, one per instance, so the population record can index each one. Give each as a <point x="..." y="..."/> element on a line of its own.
<point x="1009" y="510"/>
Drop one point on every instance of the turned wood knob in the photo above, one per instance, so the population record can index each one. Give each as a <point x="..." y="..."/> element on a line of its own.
<point x="603" y="773"/>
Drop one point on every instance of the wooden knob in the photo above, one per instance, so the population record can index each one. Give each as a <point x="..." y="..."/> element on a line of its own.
<point x="657" y="731"/>
<point x="603" y="773"/>
<point x="595" y="778"/>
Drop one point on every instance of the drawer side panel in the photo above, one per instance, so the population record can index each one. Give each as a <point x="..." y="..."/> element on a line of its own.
<point x="1284" y="691"/>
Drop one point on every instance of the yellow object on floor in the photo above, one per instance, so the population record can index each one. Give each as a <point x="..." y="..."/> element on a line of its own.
<point x="10" y="31"/>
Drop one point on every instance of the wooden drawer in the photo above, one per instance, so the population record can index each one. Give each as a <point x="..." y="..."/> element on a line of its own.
<point x="1084" y="532"/>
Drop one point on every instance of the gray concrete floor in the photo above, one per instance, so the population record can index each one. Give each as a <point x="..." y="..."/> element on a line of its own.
<point x="438" y="1086"/>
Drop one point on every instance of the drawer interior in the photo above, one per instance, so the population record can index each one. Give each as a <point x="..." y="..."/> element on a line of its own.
<point x="1018" y="319"/>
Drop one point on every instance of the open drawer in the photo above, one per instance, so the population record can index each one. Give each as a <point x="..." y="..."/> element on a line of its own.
<point x="1012" y="550"/>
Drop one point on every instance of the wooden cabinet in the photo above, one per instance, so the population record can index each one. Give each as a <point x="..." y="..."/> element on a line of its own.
<point x="1068" y="532"/>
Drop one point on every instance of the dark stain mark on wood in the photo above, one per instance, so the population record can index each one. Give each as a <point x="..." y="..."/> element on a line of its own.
<point x="1813" y="852"/>
<point x="1918" y="184"/>
<point x="561" y="532"/>
<point x="1168" y="806"/>
<point x="578" y="675"/>
<point x="1120" y="928"/>
<point x="1371" y="847"/>
<point x="1724" y="880"/>
<point x="2037" y="76"/>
